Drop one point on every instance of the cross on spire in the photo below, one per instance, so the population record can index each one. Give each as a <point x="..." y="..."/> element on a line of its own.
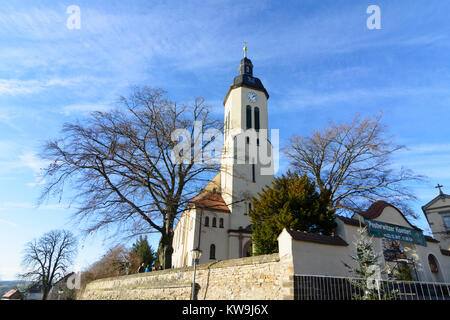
<point x="245" y="49"/>
<point x="439" y="186"/>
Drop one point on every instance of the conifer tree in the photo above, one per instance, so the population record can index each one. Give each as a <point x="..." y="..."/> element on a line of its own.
<point x="292" y="202"/>
<point x="368" y="283"/>
<point x="144" y="250"/>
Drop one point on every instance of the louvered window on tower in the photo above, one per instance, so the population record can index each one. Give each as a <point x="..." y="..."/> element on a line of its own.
<point x="249" y="117"/>
<point x="256" y="118"/>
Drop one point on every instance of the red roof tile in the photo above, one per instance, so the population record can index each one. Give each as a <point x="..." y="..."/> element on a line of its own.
<point x="210" y="201"/>
<point x="11" y="293"/>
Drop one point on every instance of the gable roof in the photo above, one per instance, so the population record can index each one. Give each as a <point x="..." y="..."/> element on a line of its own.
<point x="11" y="294"/>
<point x="317" y="238"/>
<point x="210" y="201"/>
<point x="438" y="197"/>
<point x="376" y="209"/>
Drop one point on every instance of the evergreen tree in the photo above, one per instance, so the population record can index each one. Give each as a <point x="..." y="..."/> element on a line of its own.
<point x="292" y="202"/>
<point x="144" y="250"/>
<point x="403" y="272"/>
<point x="368" y="284"/>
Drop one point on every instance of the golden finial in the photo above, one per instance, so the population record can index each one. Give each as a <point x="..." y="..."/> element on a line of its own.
<point x="245" y="49"/>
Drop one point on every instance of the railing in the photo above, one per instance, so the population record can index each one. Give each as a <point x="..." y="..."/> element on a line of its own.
<point x="308" y="287"/>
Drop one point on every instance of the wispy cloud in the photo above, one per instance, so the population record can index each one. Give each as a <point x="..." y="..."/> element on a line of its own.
<point x="299" y="98"/>
<point x="432" y="148"/>
<point x="9" y="223"/>
<point x="16" y="87"/>
<point x="84" y="108"/>
<point x="32" y="161"/>
<point x="29" y="205"/>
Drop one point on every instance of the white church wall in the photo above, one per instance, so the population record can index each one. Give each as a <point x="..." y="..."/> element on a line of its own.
<point x="435" y="214"/>
<point x="214" y="235"/>
<point x="423" y="266"/>
<point x="184" y="235"/>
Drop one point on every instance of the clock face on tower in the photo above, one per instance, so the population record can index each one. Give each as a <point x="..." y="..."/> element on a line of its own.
<point x="252" y="96"/>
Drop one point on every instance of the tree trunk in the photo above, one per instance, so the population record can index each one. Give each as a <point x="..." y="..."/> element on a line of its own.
<point x="165" y="248"/>
<point x="45" y="292"/>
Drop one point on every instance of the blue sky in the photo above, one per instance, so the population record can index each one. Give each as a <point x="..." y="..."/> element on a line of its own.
<point x="317" y="60"/>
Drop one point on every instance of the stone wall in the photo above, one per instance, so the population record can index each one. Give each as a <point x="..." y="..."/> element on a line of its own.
<point x="260" y="277"/>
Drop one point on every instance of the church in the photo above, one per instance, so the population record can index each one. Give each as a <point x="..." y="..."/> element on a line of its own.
<point x="217" y="221"/>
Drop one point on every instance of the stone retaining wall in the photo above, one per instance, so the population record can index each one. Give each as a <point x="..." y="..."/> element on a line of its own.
<point x="260" y="277"/>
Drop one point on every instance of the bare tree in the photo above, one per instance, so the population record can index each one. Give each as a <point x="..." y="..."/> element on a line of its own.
<point x="354" y="163"/>
<point x="48" y="258"/>
<point x="121" y="165"/>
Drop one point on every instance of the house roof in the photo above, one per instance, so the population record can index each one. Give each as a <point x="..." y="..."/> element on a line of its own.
<point x="11" y="293"/>
<point x="429" y="204"/>
<point x="247" y="229"/>
<point x="445" y="252"/>
<point x="317" y="238"/>
<point x="435" y="199"/>
<point x="351" y="221"/>
<point x="210" y="201"/>
<point x="430" y="239"/>
<point x="375" y="210"/>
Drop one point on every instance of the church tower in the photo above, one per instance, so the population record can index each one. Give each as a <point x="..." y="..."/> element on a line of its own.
<point x="247" y="159"/>
<point x="217" y="222"/>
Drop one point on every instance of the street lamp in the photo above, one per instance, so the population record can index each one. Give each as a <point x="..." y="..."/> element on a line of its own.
<point x="196" y="254"/>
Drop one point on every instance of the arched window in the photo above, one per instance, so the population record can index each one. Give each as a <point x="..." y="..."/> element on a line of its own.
<point x="212" y="251"/>
<point x="256" y="118"/>
<point x="214" y="222"/>
<point x="249" y="117"/>
<point x="433" y="263"/>
<point x="206" y="221"/>
<point x="221" y="223"/>
<point x="253" y="173"/>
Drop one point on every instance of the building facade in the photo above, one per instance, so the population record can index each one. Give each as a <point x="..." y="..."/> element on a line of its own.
<point x="217" y="221"/>
<point x="437" y="212"/>
<point x="320" y="255"/>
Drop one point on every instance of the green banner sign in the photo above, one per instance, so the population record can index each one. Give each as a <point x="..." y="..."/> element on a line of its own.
<point x="394" y="232"/>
